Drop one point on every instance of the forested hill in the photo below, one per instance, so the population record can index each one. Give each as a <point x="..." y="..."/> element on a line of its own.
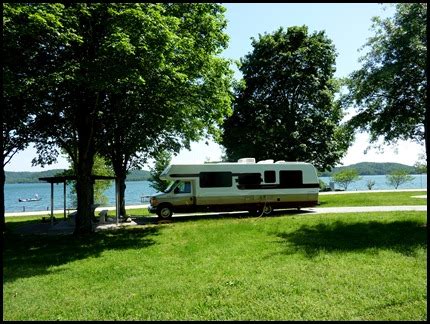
<point x="30" y="177"/>
<point x="373" y="168"/>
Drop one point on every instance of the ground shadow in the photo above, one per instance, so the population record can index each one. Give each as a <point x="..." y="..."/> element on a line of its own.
<point x="179" y="218"/>
<point x="28" y="255"/>
<point x="400" y="236"/>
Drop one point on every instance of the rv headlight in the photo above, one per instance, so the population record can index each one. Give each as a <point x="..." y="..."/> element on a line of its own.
<point x="153" y="201"/>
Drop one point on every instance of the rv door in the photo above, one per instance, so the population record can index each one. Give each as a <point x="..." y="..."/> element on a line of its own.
<point x="183" y="194"/>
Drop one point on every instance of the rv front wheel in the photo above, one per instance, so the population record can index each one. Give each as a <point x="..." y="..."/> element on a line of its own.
<point x="165" y="211"/>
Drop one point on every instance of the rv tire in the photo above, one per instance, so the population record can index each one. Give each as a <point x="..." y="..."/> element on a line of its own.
<point x="261" y="210"/>
<point x="268" y="209"/>
<point x="165" y="211"/>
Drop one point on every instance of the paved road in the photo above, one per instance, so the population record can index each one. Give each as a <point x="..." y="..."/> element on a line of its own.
<point x="323" y="210"/>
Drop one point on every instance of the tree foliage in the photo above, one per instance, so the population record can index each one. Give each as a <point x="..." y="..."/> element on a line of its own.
<point x="284" y="108"/>
<point x="162" y="160"/>
<point x="23" y="27"/>
<point x="169" y="87"/>
<point x="390" y="89"/>
<point x="100" y="168"/>
<point x="421" y="164"/>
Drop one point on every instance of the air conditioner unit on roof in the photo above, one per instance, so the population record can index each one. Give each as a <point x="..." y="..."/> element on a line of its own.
<point x="246" y="160"/>
<point x="265" y="161"/>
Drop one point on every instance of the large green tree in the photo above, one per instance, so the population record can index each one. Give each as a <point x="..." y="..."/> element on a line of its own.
<point x="66" y="77"/>
<point x="170" y="87"/>
<point x="25" y="29"/>
<point x="285" y="107"/>
<point x="390" y="89"/>
<point x="109" y="75"/>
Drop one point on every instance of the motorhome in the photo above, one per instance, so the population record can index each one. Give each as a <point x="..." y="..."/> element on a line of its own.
<point x="245" y="185"/>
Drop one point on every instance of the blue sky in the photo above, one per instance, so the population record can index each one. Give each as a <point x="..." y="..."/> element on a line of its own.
<point x="346" y="24"/>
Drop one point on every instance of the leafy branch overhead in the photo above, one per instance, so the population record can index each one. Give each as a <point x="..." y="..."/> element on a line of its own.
<point x="123" y="80"/>
<point x="390" y="90"/>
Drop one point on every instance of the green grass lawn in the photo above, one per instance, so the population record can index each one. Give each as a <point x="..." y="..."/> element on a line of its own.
<point x="364" y="266"/>
<point x="400" y="198"/>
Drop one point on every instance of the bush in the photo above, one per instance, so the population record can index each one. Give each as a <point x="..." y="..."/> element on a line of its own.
<point x="398" y="177"/>
<point x="345" y="177"/>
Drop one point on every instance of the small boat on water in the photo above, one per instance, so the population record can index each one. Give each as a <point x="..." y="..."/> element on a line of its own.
<point x="35" y="198"/>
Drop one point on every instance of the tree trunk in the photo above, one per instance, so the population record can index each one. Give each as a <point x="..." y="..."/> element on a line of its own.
<point x="2" y="211"/>
<point x="426" y="142"/>
<point x="84" y="188"/>
<point x="122" y="186"/>
<point x="84" y="182"/>
<point x="121" y="174"/>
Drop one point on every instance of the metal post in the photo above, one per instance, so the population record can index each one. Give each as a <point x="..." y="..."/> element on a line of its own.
<point x="117" y="201"/>
<point x="64" y="191"/>
<point x="52" y="203"/>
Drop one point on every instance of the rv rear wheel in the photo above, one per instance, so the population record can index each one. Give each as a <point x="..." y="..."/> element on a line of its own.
<point x="261" y="210"/>
<point x="267" y="209"/>
<point x="165" y="211"/>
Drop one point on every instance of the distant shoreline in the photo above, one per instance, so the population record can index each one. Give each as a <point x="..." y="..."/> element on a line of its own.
<point x="133" y="180"/>
<point x="363" y="169"/>
<point x="21" y="177"/>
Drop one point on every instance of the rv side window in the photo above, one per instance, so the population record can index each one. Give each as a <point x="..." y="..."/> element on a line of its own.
<point x="215" y="179"/>
<point x="249" y="180"/>
<point x="269" y="176"/>
<point x="183" y="187"/>
<point x="291" y="179"/>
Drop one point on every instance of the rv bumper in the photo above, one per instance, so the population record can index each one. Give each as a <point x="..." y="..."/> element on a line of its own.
<point x="152" y="209"/>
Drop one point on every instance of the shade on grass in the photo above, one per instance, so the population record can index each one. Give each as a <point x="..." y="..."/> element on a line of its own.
<point x="368" y="266"/>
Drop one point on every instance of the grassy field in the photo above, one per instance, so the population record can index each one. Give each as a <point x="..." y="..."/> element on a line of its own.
<point x="400" y="198"/>
<point x="364" y="266"/>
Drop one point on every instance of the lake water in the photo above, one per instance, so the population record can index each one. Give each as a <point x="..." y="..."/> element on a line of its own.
<point x="13" y="191"/>
<point x="419" y="182"/>
<point x="136" y="189"/>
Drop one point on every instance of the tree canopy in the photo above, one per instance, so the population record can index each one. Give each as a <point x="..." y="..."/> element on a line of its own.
<point x="390" y="89"/>
<point x="170" y="89"/>
<point x="285" y="107"/>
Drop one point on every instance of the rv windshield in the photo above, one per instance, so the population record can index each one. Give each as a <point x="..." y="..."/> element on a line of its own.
<point x="171" y="186"/>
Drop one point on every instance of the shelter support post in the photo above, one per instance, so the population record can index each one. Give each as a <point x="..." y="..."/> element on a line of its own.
<point x="52" y="203"/>
<point x="117" y="200"/>
<point x="64" y="192"/>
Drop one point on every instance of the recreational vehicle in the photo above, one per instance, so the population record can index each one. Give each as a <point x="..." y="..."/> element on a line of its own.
<point x="235" y="186"/>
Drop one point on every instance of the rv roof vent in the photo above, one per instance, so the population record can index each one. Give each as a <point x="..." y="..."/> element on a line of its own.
<point x="281" y="161"/>
<point x="246" y="160"/>
<point x="266" y="161"/>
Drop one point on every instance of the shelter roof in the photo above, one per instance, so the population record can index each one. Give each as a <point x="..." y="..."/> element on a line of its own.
<point x="60" y="179"/>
